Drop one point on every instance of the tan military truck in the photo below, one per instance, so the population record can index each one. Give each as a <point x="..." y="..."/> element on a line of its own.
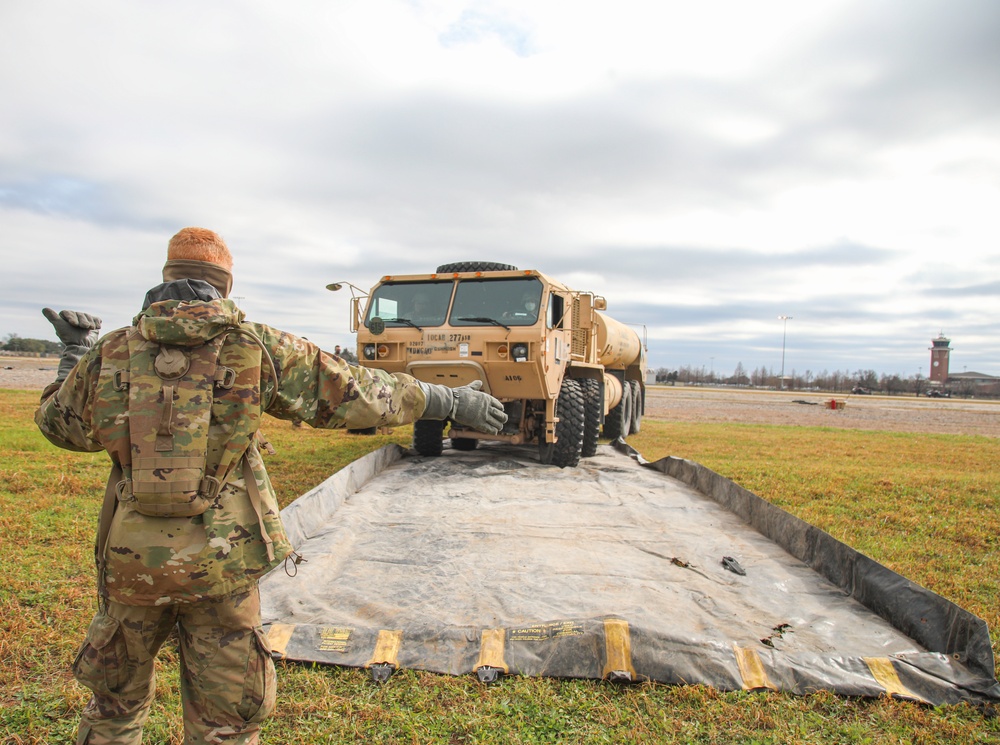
<point x="561" y="368"/>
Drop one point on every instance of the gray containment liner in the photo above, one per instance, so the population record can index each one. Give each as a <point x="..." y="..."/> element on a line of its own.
<point x="488" y="562"/>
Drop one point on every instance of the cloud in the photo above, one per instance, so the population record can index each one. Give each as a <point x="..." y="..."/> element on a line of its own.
<point x="706" y="167"/>
<point x="987" y="289"/>
<point x="481" y="22"/>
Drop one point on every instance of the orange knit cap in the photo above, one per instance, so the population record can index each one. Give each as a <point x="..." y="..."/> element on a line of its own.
<point x="200" y="244"/>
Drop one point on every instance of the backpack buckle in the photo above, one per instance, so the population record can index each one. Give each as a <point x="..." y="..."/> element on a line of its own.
<point x="120" y="380"/>
<point x="209" y="487"/>
<point x="228" y="378"/>
<point x="123" y="491"/>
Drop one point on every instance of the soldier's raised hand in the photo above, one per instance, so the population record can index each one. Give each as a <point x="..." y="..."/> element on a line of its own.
<point x="73" y="327"/>
<point x="77" y="331"/>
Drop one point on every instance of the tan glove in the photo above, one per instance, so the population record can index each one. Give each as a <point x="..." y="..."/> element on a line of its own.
<point x="77" y="331"/>
<point x="467" y="406"/>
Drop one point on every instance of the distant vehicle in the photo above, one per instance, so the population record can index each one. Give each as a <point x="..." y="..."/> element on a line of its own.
<point x="938" y="394"/>
<point x="861" y="391"/>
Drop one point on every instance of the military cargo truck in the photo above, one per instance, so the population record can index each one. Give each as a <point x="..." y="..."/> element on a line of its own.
<point x="562" y="369"/>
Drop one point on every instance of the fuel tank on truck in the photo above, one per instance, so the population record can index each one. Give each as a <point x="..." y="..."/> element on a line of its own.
<point x="618" y="346"/>
<point x="612" y="392"/>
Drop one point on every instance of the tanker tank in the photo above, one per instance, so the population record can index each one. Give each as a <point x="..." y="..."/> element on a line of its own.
<point x="617" y="344"/>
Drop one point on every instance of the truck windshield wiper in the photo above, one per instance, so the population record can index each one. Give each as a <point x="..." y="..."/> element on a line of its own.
<point x="484" y="319"/>
<point x="407" y="321"/>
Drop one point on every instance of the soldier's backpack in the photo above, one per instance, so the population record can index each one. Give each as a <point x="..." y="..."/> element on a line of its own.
<point x="193" y="412"/>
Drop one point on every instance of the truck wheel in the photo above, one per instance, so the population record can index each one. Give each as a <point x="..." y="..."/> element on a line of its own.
<point x="464" y="443"/>
<point x="618" y="422"/>
<point x="627" y="412"/>
<point x="427" y="436"/>
<point x="636" y="407"/>
<point x="565" y="452"/>
<point x="591" y="416"/>
<point x="475" y="266"/>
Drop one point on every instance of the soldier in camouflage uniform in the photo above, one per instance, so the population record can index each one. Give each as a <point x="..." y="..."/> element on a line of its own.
<point x="199" y="572"/>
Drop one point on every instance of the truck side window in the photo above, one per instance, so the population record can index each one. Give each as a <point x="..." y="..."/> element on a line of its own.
<point x="555" y="311"/>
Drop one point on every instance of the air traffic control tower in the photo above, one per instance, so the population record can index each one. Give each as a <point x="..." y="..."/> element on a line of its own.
<point x="940" y="352"/>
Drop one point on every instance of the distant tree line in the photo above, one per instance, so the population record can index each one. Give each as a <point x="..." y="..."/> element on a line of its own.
<point x="15" y="343"/>
<point x="859" y="381"/>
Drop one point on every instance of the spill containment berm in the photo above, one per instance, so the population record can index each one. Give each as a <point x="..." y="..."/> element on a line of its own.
<point x="488" y="562"/>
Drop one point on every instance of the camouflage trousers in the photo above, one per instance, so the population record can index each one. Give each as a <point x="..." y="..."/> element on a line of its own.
<point x="227" y="676"/>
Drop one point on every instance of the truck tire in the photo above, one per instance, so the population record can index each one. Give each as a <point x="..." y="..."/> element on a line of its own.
<point x="475" y="266"/>
<point x="618" y="422"/>
<point x="636" y="407"/>
<point x="591" y="416"/>
<point x="464" y="443"/>
<point x="627" y="415"/>
<point x="427" y="437"/>
<point x="565" y="451"/>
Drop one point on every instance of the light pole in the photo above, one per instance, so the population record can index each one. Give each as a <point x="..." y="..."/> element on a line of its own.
<point x="784" y="328"/>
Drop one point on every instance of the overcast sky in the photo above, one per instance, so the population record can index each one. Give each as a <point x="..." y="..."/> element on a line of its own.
<point x="705" y="166"/>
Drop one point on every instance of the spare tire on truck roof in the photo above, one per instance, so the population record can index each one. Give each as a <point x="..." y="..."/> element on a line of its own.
<point x="475" y="266"/>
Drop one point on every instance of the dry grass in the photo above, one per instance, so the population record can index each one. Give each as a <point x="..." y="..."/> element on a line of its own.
<point x="924" y="504"/>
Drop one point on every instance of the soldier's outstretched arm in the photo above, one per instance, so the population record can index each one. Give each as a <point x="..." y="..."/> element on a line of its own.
<point x="64" y="415"/>
<point x="325" y="391"/>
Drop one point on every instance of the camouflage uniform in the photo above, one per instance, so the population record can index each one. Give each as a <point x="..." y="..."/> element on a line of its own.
<point x="227" y="680"/>
<point x="200" y="573"/>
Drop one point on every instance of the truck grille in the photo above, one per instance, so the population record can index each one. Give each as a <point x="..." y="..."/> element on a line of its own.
<point x="580" y="335"/>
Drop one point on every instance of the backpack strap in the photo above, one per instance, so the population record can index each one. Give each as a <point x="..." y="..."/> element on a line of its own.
<point x="265" y="355"/>
<point x="255" y="499"/>
<point x="104" y="531"/>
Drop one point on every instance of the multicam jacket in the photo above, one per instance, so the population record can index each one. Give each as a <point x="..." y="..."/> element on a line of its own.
<point x="158" y="560"/>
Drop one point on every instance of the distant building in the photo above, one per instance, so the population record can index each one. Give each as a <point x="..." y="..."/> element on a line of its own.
<point x="974" y="384"/>
<point x="964" y="383"/>
<point x="977" y="378"/>
<point x="940" y="352"/>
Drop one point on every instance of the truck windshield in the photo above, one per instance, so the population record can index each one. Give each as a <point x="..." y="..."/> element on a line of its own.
<point x="486" y="302"/>
<point x="410" y="303"/>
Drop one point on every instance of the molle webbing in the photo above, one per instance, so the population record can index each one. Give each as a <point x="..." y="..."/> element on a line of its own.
<point x="224" y="378"/>
<point x="192" y="412"/>
<point x="170" y="410"/>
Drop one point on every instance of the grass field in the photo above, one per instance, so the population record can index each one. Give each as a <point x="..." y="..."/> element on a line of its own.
<point x="924" y="505"/>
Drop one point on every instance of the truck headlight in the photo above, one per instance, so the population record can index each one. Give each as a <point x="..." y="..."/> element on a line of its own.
<point x="369" y="351"/>
<point x="519" y="352"/>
